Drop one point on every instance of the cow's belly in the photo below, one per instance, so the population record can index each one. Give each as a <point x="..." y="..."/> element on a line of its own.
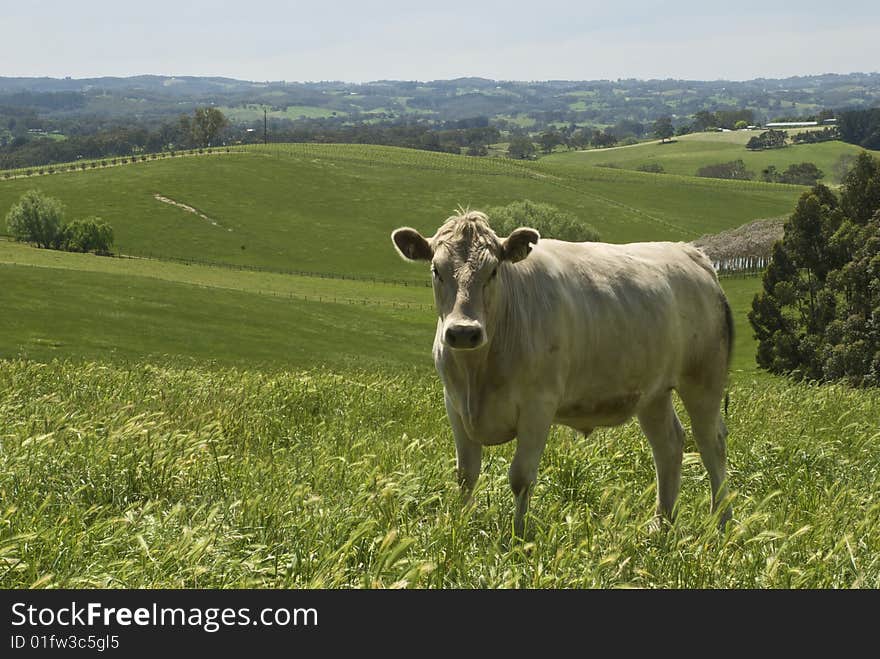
<point x="586" y="414"/>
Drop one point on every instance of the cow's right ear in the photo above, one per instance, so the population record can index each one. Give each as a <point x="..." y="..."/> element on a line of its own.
<point x="412" y="245"/>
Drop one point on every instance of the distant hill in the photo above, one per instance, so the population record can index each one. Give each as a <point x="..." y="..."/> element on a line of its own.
<point x="535" y="103"/>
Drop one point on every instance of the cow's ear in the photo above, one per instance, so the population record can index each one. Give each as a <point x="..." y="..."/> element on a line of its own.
<point x="517" y="245"/>
<point x="412" y="245"/>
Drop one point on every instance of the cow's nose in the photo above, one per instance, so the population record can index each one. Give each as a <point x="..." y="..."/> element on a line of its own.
<point x="463" y="336"/>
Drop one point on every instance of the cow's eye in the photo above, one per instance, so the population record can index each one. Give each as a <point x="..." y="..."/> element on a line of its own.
<point x="494" y="272"/>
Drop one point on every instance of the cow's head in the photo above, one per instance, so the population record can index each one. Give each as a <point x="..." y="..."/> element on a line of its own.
<point x="466" y="259"/>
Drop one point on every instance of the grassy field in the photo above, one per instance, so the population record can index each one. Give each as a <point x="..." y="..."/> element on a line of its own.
<point x="174" y="425"/>
<point x="286" y="206"/>
<point x="686" y="154"/>
<point x="149" y="476"/>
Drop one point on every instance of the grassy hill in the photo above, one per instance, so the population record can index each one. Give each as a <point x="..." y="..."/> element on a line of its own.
<point x="331" y="208"/>
<point x="687" y="153"/>
<point x="78" y="306"/>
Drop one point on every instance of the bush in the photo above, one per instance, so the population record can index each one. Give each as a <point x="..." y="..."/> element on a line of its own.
<point x="88" y="235"/>
<point x="36" y="219"/>
<point x="550" y="221"/>
<point x="653" y="167"/>
<point x="736" y="169"/>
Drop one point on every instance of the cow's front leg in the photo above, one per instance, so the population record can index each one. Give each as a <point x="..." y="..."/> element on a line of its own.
<point x="530" y="443"/>
<point x="468" y="454"/>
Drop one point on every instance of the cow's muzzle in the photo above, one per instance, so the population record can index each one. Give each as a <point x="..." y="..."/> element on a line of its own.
<point x="464" y="336"/>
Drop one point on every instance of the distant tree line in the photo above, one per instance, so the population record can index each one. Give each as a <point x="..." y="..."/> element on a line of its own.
<point x="769" y="139"/>
<point x="204" y="128"/>
<point x="814" y="136"/>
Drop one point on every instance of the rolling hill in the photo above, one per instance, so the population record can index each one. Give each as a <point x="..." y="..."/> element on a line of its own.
<point x="331" y="208"/>
<point x="687" y="153"/>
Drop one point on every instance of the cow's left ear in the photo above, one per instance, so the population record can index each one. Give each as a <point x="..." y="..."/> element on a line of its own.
<point x="412" y="245"/>
<point x="516" y="246"/>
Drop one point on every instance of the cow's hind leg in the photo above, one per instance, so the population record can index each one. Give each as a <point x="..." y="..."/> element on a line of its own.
<point x="661" y="426"/>
<point x="703" y="405"/>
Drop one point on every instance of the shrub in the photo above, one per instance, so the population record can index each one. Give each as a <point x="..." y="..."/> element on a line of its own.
<point x="735" y="169"/>
<point x="550" y="221"/>
<point x="37" y="219"/>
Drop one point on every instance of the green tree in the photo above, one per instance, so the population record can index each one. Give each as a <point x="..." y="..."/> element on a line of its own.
<point x="207" y="123"/>
<point x="550" y="221"/>
<point x="805" y="173"/>
<point x="37" y="219"/>
<point x="663" y="128"/>
<point x="521" y="148"/>
<point x="549" y="140"/>
<point x="818" y="315"/>
<point x="91" y="234"/>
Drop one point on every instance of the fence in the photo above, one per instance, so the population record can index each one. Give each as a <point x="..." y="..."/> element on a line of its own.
<point x="741" y="266"/>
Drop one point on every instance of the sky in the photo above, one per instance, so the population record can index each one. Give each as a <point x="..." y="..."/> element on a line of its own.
<point x="397" y="40"/>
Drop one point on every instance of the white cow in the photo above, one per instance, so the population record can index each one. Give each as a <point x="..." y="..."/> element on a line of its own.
<point x="580" y="334"/>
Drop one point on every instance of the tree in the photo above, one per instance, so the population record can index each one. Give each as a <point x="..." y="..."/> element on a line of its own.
<point x="805" y="173"/>
<point x="663" y="128"/>
<point x="207" y="123"/>
<point x="36" y="219"/>
<point x="601" y="139"/>
<point x="549" y="140"/>
<point x="91" y="234"/>
<point x="703" y="120"/>
<point x="521" y="148"/>
<point x="818" y="314"/>
<point x="550" y="221"/>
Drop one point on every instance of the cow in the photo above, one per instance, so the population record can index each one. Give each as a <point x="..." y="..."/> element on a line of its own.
<point x="533" y="332"/>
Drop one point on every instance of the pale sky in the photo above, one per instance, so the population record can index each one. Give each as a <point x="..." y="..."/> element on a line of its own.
<point x="413" y="40"/>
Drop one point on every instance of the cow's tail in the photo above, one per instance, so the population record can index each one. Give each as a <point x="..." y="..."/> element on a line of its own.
<point x="728" y="337"/>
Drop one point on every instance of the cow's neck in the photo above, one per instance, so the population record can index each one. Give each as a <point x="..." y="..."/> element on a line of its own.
<point x="464" y="374"/>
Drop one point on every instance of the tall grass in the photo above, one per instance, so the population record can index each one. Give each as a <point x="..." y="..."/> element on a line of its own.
<point x="136" y="476"/>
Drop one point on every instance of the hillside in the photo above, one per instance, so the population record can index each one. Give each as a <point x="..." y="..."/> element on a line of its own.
<point x="286" y="206"/>
<point x="687" y="153"/>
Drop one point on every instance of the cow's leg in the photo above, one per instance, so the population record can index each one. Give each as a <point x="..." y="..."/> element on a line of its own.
<point x="468" y="454"/>
<point x="661" y="426"/>
<point x="531" y="439"/>
<point x="703" y="405"/>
